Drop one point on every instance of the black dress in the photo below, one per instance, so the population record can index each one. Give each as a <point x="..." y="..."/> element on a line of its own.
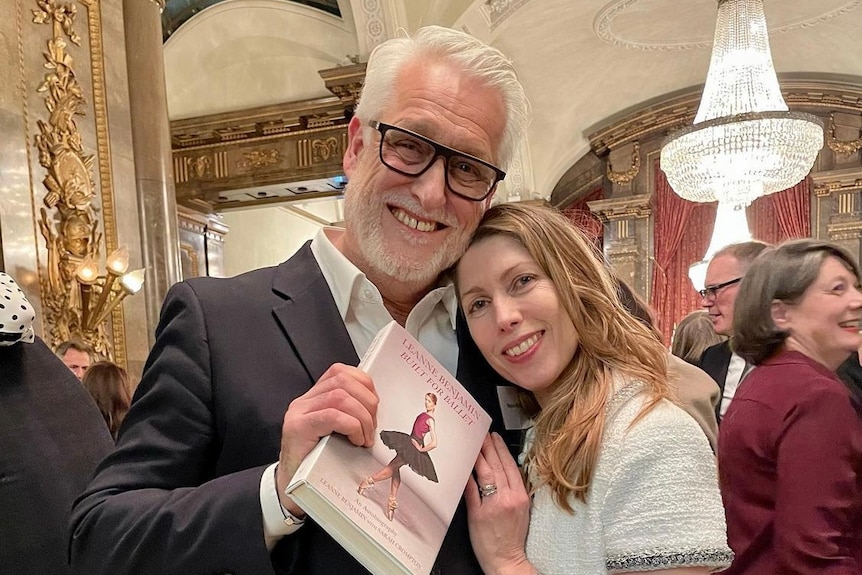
<point x="402" y="444"/>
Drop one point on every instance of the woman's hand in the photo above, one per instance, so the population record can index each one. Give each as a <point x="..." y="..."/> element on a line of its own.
<point x="498" y="521"/>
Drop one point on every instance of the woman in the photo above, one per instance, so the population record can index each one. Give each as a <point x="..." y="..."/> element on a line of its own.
<point x="411" y="450"/>
<point x="621" y="479"/>
<point x="790" y="448"/>
<point x="693" y="334"/>
<point x="108" y="384"/>
<point x="696" y="392"/>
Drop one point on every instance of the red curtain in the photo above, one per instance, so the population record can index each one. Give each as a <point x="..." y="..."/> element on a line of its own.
<point x="683" y="230"/>
<point x="580" y="215"/>
<point x="783" y="215"/>
<point x="681" y="237"/>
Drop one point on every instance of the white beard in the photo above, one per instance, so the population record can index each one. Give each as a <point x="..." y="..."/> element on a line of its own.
<point x="363" y="211"/>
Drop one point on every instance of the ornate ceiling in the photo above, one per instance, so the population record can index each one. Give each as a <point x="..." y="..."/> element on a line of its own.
<point x="583" y="63"/>
<point x="177" y="12"/>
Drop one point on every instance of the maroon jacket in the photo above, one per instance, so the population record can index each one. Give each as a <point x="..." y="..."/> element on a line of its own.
<point x="790" y="469"/>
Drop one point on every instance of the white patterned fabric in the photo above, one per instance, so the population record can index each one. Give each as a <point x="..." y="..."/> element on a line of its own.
<point x="653" y="503"/>
<point x="16" y="313"/>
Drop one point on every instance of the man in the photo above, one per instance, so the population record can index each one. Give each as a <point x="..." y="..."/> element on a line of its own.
<point x="253" y="370"/>
<point x="76" y="356"/>
<point x="723" y="274"/>
<point x="52" y="436"/>
<point x="850" y="373"/>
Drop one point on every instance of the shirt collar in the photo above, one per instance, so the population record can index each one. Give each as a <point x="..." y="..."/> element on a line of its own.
<point x="346" y="281"/>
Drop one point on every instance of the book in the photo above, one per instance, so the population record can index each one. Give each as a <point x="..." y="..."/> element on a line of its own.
<point x="421" y="405"/>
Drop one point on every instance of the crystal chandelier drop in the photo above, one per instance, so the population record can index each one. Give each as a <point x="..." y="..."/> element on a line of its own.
<point x="731" y="227"/>
<point x="744" y="142"/>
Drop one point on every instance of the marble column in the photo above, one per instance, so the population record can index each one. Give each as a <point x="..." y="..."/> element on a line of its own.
<point x="152" y="150"/>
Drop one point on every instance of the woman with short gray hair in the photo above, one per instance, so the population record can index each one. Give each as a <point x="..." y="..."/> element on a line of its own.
<point x="790" y="446"/>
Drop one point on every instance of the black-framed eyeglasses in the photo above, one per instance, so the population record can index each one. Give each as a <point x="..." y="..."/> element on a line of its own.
<point x="410" y="154"/>
<point x="710" y="291"/>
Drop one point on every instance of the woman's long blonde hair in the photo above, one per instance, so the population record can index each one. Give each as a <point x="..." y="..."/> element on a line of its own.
<point x="570" y="427"/>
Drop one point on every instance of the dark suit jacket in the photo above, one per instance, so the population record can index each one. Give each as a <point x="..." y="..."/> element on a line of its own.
<point x="850" y="372"/>
<point x="52" y="436"/>
<point x="181" y="492"/>
<point x="715" y="361"/>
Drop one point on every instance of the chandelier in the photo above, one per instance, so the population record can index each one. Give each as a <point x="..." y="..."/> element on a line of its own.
<point x="744" y="142"/>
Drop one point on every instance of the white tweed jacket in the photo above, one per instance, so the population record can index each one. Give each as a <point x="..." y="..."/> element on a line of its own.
<point x="653" y="503"/>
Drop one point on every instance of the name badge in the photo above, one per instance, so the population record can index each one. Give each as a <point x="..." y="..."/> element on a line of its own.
<point x="513" y="416"/>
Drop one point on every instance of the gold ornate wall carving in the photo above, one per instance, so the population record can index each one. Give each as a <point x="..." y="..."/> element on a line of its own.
<point x="68" y="221"/>
<point x="626" y="176"/>
<point x="842" y="147"/>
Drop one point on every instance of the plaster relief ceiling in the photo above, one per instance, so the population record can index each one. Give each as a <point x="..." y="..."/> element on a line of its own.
<point x="583" y="62"/>
<point x="586" y="63"/>
<point x="632" y="23"/>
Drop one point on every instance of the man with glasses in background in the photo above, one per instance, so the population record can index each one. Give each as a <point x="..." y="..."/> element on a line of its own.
<point x="723" y="274"/>
<point x="247" y="373"/>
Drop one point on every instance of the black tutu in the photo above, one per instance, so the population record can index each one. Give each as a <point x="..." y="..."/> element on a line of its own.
<point x="419" y="461"/>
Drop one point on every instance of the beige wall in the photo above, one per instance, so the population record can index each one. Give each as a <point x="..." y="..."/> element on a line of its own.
<point x="267" y="236"/>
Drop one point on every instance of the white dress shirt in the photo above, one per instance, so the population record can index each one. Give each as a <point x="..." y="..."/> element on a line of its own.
<point x="737" y="369"/>
<point x="431" y="321"/>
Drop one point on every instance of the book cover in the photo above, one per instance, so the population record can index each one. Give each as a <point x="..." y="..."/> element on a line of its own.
<point x="390" y="505"/>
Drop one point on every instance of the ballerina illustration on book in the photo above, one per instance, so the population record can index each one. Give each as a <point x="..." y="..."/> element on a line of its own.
<point x="411" y="450"/>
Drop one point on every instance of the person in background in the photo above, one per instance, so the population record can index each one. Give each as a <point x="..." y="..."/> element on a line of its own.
<point x="850" y="373"/>
<point x="51" y="439"/>
<point x="247" y="373"/>
<point x="697" y="393"/>
<point x="619" y="478"/>
<point x="723" y="274"/>
<point x="109" y="386"/>
<point x="790" y="446"/>
<point x="693" y="335"/>
<point x="75" y="355"/>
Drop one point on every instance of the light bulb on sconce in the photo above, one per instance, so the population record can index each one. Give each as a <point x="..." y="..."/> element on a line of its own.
<point x="118" y="261"/>
<point x="87" y="276"/>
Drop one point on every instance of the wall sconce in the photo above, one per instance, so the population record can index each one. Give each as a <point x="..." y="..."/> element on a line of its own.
<point x="113" y="288"/>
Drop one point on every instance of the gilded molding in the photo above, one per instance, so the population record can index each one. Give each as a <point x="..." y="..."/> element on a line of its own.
<point x="625" y="177"/>
<point x="259" y="159"/>
<point x="258" y="125"/>
<point x="838" y="231"/>
<point x="194" y="260"/>
<point x="71" y="230"/>
<point x="345" y="82"/>
<point x="636" y="206"/>
<point x="584" y="183"/>
<point x="669" y="114"/>
<point x="836" y="181"/>
<point x="843" y="147"/>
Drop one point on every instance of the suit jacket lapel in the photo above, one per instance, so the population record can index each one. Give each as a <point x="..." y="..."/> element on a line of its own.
<point x="308" y="315"/>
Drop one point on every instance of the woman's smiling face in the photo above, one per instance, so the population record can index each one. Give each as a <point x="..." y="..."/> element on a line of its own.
<point x="515" y="315"/>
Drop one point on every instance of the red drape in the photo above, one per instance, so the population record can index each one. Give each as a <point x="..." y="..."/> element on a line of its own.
<point x="580" y="215"/>
<point x="681" y="237"/>
<point x="683" y="230"/>
<point x="783" y="215"/>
